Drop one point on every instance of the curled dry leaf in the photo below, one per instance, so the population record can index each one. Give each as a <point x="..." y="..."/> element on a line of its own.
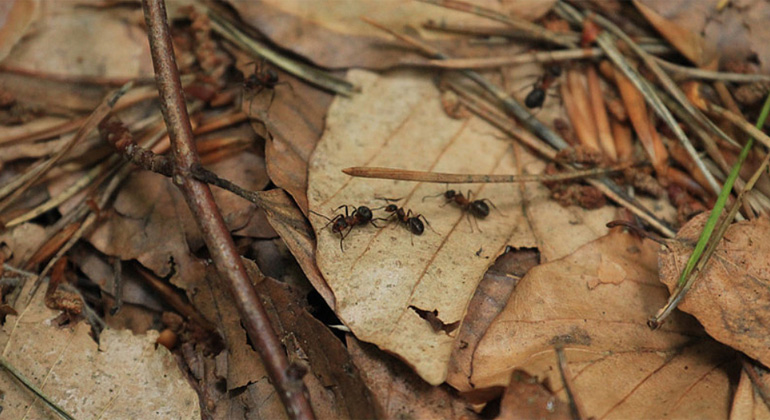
<point x="381" y="276"/>
<point x="124" y="376"/>
<point x="595" y="304"/>
<point x="731" y="296"/>
<point x="331" y="34"/>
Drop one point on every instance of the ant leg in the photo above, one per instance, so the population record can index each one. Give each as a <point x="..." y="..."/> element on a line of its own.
<point x="389" y="200"/>
<point x="486" y="200"/>
<point x="468" y="216"/>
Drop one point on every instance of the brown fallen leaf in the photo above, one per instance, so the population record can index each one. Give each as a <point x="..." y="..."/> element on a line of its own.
<point x="595" y="303"/>
<point x="123" y="376"/>
<point x="64" y="45"/>
<point x="331" y="34"/>
<point x="488" y="300"/>
<point x="731" y="296"/>
<point x="751" y="400"/>
<point x="526" y="398"/>
<point x="16" y="16"/>
<point x="292" y="121"/>
<point x="150" y="221"/>
<point x="334" y="383"/>
<point x="399" y="393"/>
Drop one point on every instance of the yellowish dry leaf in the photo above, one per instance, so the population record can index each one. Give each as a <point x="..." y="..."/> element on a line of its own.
<point x="731" y="296"/>
<point x="124" y="376"/>
<point x="595" y="303"/>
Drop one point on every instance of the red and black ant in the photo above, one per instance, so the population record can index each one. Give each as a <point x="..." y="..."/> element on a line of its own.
<point x="358" y="217"/>
<point x="262" y="78"/>
<point x="536" y="97"/>
<point x="477" y="208"/>
<point x="410" y="220"/>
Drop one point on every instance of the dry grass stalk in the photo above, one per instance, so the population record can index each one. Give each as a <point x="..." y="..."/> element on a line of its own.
<point x="600" y="115"/>
<point x="624" y="145"/>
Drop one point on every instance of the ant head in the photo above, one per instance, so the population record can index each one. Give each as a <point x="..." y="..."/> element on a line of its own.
<point x="390" y="208"/>
<point x="450" y="194"/>
<point x="535" y="98"/>
<point x="554" y="70"/>
<point x="416" y="226"/>
<point x="364" y="213"/>
<point x="479" y="209"/>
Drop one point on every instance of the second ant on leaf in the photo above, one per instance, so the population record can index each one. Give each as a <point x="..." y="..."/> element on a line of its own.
<point x="358" y="217"/>
<point x="410" y="220"/>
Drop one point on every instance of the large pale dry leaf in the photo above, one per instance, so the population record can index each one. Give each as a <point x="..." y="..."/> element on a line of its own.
<point x="595" y="304"/>
<point x="124" y="376"/>
<point x="731" y="296"/>
<point x="331" y="34"/>
<point x="382" y="282"/>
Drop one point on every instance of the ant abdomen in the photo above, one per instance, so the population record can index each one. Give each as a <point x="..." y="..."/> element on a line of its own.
<point x="535" y="99"/>
<point x="479" y="209"/>
<point x="416" y="226"/>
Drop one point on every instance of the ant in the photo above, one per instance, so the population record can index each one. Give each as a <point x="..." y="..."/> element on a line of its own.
<point x="478" y="208"/>
<point x="410" y="220"/>
<point x="536" y="97"/>
<point x="262" y="78"/>
<point x="358" y="217"/>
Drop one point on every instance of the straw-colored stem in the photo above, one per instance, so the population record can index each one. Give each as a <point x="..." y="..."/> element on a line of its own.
<point x="600" y="115"/>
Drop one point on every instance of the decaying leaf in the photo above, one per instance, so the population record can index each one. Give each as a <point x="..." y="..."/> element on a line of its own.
<point x="595" y="304"/>
<point x="331" y="33"/>
<point x="150" y="221"/>
<point x="731" y="296"/>
<point x="124" y="376"/>
<point x="399" y="393"/>
<point x="381" y="276"/>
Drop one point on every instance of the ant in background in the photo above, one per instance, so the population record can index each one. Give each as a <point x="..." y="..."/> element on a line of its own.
<point x="536" y="97"/>
<point x="407" y="218"/>
<point x="477" y="208"/>
<point x="358" y="217"/>
<point x="262" y="78"/>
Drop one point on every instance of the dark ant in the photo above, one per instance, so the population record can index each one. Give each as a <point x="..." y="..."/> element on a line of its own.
<point x="536" y="97"/>
<point x="262" y="78"/>
<point x="478" y="208"/>
<point x="410" y="220"/>
<point x="358" y="217"/>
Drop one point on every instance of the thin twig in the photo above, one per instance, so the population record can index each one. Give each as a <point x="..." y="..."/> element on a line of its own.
<point x="575" y="405"/>
<point x="447" y="178"/>
<point x="217" y="237"/>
